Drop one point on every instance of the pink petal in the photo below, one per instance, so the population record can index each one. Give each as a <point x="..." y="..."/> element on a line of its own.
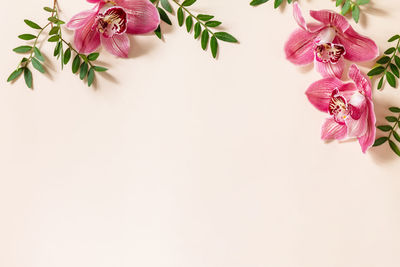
<point x="329" y="69"/>
<point x="366" y="141"/>
<point x="80" y="19"/>
<point x="330" y="18"/>
<point x="333" y="130"/>
<point x="298" y="17"/>
<point x="319" y="93"/>
<point x="143" y="16"/>
<point x="86" y="39"/>
<point x="357" y="126"/>
<point x="118" y="45"/>
<point x="362" y="82"/>
<point x="358" y="48"/>
<point x="94" y="1"/>
<point x="299" y="49"/>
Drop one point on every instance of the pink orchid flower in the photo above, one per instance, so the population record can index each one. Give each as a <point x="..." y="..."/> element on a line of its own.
<point x="349" y="105"/>
<point x="109" y="22"/>
<point x="327" y="43"/>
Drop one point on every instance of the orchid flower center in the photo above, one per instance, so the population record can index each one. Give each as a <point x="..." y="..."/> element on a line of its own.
<point x="112" y="21"/>
<point x="329" y="52"/>
<point x="338" y="107"/>
<point x="327" y="35"/>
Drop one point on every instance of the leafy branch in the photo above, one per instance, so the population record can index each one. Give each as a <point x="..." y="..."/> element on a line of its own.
<point x="202" y="25"/>
<point x="352" y="6"/>
<point x="277" y="3"/>
<point x="392" y="130"/>
<point x="388" y="65"/>
<point x="36" y="58"/>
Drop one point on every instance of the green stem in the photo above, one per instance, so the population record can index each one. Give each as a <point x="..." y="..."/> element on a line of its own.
<point x="394" y="54"/>
<point x="190" y="13"/>
<point x="394" y="127"/>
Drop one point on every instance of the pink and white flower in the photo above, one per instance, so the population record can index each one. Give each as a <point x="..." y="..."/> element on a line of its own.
<point x="327" y="43"/>
<point x="109" y="22"/>
<point x="349" y="105"/>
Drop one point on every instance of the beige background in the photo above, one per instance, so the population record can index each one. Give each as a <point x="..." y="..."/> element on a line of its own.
<point x="178" y="160"/>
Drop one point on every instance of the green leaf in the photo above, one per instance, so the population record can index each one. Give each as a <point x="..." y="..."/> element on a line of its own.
<point x="157" y="32"/>
<point x="258" y="2"/>
<point x="197" y="30"/>
<point x="84" y="70"/>
<point x="397" y="61"/>
<point x="380" y="141"/>
<point x="394" y="147"/>
<point x="204" y="17"/>
<point x="37" y="65"/>
<point x="99" y="69"/>
<point x="383" y="60"/>
<point x="391" y="119"/>
<point x="57" y="49"/>
<point x="93" y="56"/>
<point x="54" y="38"/>
<point x="346" y="7"/>
<point x="214" y="46"/>
<point x="380" y="84"/>
<point x="76" y="63"/>
<point x="376" y="71"/>
<point x="189" y="23"/>
<point x="385" y="128"/>
<point x="362" y="2"/>
<point x="67" y="56"/>
<point x="163" y="16"/>
<point x="213" y="23"/>
<point x="395" y="70"/>
<point x="394" y="109"/>
<point x="54" y="30"/>
<point x="356" y="13"/>
<point x="277" y="3"/>
<point x="394" y="38"/>
<point x="32" y="24"/>
<point x="90" y="77"/>
<point x="15" y="74"/>
<point x="390" y="51"/>
<point x="188" y="2"/>
<point x="166" y="5"/>
<point x="396" y="136"/>
<point x="339" y="2"/>
<point x="204" y="39"/>
<point x="38" y="55"/>
<point x="56" y="20"/>
<point x="26" y="36"/>
<point x="181" y="16"/>
<point x="391" y="79"/>
<point x="226" y="37"/>
<point x="23" y="49"/>
<point x="49" y="9"/>
<point x="28" y="77"/>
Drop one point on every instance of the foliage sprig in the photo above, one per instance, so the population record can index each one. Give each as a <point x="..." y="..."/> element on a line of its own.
<point x="202" y="25"/>
<point x="352" y="6"/>
<point x="388" y="65"/>
<point x="392" y="130"/>
<point x="54" y="35"/>
<point x="277" y="3"/>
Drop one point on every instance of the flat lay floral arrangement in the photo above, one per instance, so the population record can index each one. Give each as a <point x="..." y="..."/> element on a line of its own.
<point x="329" y="42"/>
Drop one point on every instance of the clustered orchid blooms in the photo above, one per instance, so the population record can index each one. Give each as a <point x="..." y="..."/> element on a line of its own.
<point x="109" y="22"/>
<point x="327" y="43"/>
<point x="349" y="105"/>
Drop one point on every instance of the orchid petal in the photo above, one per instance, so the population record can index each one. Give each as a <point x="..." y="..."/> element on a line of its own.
<point x="319" y="93"/>
<point x="362" y="82"/>
<point x="366" y="141"/>
<point x="329" y="69"/>
<point x="299" y="49"/>
<point x="86" y="39"/>
<point x="298" y="17"/>
<point x="94" y="1"/>
<point x="333" y="130"/>
<point x="118" y="45"/>
<point x="330" y="18"/>
<point x="80" y="19"/>
<point x="357" y="126"/>
<point x="358" y="48"/>
<point x="143" y="16"/>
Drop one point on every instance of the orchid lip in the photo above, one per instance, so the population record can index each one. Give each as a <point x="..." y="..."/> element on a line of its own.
<point x="112" y="21"/>
<point x="329" y="52"/>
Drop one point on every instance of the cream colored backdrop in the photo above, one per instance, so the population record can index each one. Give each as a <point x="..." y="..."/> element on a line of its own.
<point x="178" y="160"/>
